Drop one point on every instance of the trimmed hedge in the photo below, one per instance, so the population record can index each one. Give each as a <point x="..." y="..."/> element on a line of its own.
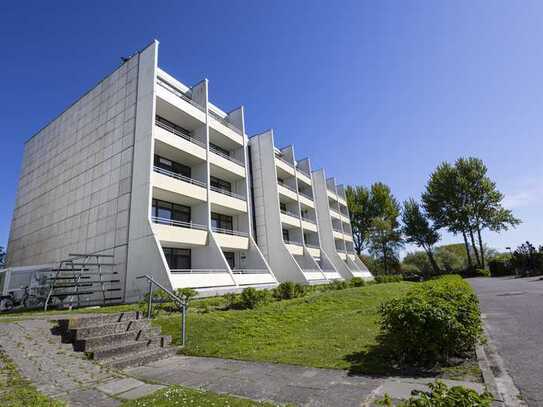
<point x="434" y="321"/>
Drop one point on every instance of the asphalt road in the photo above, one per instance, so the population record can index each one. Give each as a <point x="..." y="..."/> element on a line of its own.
<point x="514" y="320"/>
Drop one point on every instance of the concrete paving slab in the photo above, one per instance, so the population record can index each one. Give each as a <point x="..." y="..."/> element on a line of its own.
<point x="119" y="386"/>
<point x="141" y="391"/>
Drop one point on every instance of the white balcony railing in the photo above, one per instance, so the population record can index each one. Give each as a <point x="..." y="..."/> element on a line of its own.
<point x="304" y="171"/>
<point x="229" y="232"/>
<point x="312" y="246"/>
<point x="224" y="121"/>
<point x="249" y="271"/>
<point x="288" y="187"/>
<point x="292" y="242"/>
<point x="223" y="155"/>
<point x="182" y="95"/>
<point x="289" y="213"/>
<point x="307" y="195"/>
<point x="284" y="160"/>
<point x="179" y="176"/>
<point x="313" y="221"/>
<point x="198" y="271"/>
<point x="179" y="133"/>
<point x="227" y="192"/>
<point x="177" y="223"/>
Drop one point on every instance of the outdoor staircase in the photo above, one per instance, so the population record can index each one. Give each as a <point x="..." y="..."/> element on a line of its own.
<point x="117" y="340"/>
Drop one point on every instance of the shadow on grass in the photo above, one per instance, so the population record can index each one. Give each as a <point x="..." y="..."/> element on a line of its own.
<point x="376" y="361"/>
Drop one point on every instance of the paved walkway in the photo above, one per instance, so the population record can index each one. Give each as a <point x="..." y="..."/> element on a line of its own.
<point x="59" y="372"/>
<point x="513" y="309"/>
<point x="279" y="383"/>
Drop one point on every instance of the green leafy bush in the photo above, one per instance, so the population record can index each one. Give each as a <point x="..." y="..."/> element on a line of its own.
<point x="388" y="278"/>
<point x="289" y="290"/>
<point x="338" y="285"/>
<point x="482" y="273"/>
<point x="251" y="298"/>
<point x="527" y="260"/>
<point x="357" y="282"/>
<point x="434" y="321"/>
<point x="440" y="395"/>
<point x="500" y="267"/>
<point x="186" y="292"/>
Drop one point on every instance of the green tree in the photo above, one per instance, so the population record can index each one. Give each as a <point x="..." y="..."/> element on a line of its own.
<point x="385" y="240"/>
<point x="358" y="202"/>
<point x="418" y="230"/>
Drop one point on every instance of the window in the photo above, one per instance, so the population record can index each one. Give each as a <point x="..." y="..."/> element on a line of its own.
<point x="220" y="184"/>
<point x="286" y="235"/>
<point x="172" y="166"/>
<point x="280" y="181"/>
<point x="219" y="149"/>
<point x="230" y="258"/>
<point x="283" y="206"/>
<point x="170" y="211"/>
<point x="306" y="238"/>
<point x="178" y="259"/>
<point x="219" y="221"/>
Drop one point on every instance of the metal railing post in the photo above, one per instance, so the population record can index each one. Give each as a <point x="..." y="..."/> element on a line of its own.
<point x="184" y="322"/>
<point x="150" y="305"/>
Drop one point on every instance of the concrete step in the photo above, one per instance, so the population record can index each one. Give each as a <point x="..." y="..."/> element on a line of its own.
<point x="103" y="319"/>
<point x="118" y="349"/>
<point x="109" y="329"/>
<point x="139" y="358"/>
<point x="92" y="343"/>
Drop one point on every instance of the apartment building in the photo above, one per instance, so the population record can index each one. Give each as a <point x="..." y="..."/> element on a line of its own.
<point x="149" y="171"/>
<point x="335" y="226"/>
<point x="286" y="225"/>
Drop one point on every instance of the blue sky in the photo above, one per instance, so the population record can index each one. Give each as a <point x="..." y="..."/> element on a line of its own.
<point x="371" y="91"/>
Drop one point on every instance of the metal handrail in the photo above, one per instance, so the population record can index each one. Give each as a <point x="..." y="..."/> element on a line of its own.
<point x="178" y="223"/>
<point x="224" y="121"/>
<point x="295" y="215"/>
<point x="179" y="133"/>
<point x="179" y="176"/>
<point x="285" y="161"/>
<point x="288" y="187"/>
<point x="182" y="95"/>
<point x="250" y="271"/>
<point x="305" y="172"/>
<point x="337" y="229"/>
<point x="292" y="242"/>
<point x="310" y="197"/>
<point x="198" y="271"/>
<point x="227" y="192"/>
<point x="312" y="246"/>
<point x="221" y="154"/>
<point x="181" y="301"/>
<point x="309" y="220"/>
<point x="230" y="232"/>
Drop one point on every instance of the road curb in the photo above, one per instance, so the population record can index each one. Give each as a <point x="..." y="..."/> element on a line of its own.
<point x="498" y="382"/>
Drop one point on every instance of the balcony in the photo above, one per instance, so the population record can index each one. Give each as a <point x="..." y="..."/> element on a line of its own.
<point x="309" y="224"/>
<point x="226" y="201"/>
<point x="200" y="278"/>
<point x="306" y="199"/>
<point x="182" y="100"/>
<point x="231" y="239"/>
<point x="226" y="162"/>
<point x="314" y="250"/>
<point x="295" y="248"/>
<point x="252" y="276"/>
<point x="290" y="218"/>
<point x="338" y="234"/>
<point x="287" y="191"/>
<point x="221" y="125"/>
<point x="304" y="176"/>
<point x="173" y="233"/>
<point x="348" y="237"/>
<point x="335" y="214"/>
<point x="284" y="167"/>
<point x="169" y="184"/>
<point x="179" y="140"/>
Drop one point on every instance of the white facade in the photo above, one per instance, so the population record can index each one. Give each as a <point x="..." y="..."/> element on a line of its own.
<point x="148" y="169"/>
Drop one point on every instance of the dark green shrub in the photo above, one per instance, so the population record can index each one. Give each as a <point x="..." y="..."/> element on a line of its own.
<point x="289" y="290"/>
<point x="251" y="298"/>
<point x="230" y="300"/>
<point x="186" y="292"/>
<point x="527" y="260"/>
<point x="388" y="278"/>
<point x="434" y="321"/>
<point x="338" y="285"/>
<point x="500" y="267"/>
<point x="357" y="282"/>
<point x="482" y="273"/>
<point x="443" y="396"/>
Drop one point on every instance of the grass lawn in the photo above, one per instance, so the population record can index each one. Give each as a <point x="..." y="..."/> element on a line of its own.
<point x="15" y="391"/>
<point x="185" y="397"/>
<point x="329" y="329"/>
